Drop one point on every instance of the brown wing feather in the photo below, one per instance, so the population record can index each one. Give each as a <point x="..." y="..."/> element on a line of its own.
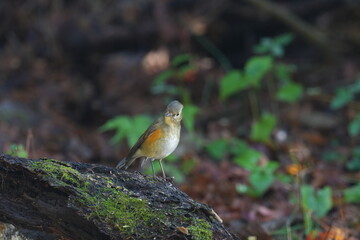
<point x="143" y="137"/>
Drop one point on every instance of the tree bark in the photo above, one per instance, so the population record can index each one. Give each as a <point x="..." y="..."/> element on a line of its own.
<point x="84" y="201"/>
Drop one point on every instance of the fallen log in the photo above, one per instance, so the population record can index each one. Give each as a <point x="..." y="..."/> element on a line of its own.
<point x="84" y="201"/>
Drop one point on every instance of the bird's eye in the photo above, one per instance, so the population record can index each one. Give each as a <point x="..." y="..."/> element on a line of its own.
<point x="177" y="114"/>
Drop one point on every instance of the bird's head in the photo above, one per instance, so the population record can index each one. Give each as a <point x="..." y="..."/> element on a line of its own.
<point x="174" y="112"/>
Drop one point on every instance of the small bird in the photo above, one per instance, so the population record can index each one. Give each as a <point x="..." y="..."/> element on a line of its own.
<point x="159" y="140"/>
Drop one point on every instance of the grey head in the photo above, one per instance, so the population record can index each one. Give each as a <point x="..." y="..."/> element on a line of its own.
<point x="174" y="110"/>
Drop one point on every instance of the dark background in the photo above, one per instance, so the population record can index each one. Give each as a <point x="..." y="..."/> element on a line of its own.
<point x="66" y="67"/>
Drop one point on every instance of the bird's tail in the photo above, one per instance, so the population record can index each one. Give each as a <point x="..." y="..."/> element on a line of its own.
<point x="121" y="164"/>
<point x="125" y="163"/>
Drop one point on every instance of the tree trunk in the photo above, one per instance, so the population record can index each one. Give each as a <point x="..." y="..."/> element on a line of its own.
<point x="83" y="201"/>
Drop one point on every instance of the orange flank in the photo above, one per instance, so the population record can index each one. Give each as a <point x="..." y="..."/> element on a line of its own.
<point x="153" y="137"/>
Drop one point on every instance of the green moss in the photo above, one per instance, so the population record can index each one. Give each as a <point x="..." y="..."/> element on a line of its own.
<point x="98" y="198"/>
<point x="59" y="173"/>
<point x="200" y="229"/>
<point x="104" y="200"/>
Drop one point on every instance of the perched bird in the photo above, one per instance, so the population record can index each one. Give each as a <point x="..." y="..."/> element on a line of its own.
<point x="159" y="140"/>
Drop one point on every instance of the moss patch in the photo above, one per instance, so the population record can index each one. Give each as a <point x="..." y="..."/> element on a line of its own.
<point x="98" y="198"/>
<point x="200" y="230"/>
<point x="104" y="200"/>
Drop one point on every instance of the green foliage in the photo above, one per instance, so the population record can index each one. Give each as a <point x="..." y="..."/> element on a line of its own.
<point x="354" y="163"/>
<point x="180" y="65"/>
<point x="181" y="59"/>
<point x="332" y="156"/>
<point x="232" y="83"/>
<point x="290" y="92"/>
<point x="354" y="126"/>
<point x="274" y="46"/>
<point x="261" y="130"/>
<point x="189" y="113"/>
<point x="319" y="202"/>
<point x="341" y="98"/>
<point x="283" y="71"/>
<point x="260" y="179"/>
<point x="245" y="156"/>
<point x="217" y="148"/>
<point x="352" y="194"/>
<point x="17" y="150"/>
<point x="256" y="68"/>
<point x="346" y="94"/>
<point x="261" y="176"/>
<point x="129" y="128"/>
<point x="162" y="77"/>
<point x="235" y="81"/>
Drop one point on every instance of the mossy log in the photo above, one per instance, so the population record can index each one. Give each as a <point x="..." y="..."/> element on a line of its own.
<point x="71" y="200"/>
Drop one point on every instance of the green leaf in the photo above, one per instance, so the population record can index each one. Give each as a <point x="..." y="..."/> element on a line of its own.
<point x="284" y="39"/>
<point x="245" y="156"/>
<point x="217" y="148"/>
<point x="320" y="202"/>
<point x="332" y="156"/>
<point x="163" y="77"/>
<point x="285" y="178"/>
<point x="354" y="126"/>
<point x="139" y="125"/>
<point x="256" y="68"/>
<point x="126" y="127"/>
<point x="262" y="129"/>
<point x="354" y="163"/>
<point x="271" y="167"/>
<point x="260" y="182"/>
<point x="189" y="113"/>
<point x="274" y="46"/>
<point x="341" y="98"/>
<point x="352" y="194"/>
<point x="248" y="159"/>
<point x="290" y="92"/>
<point x="283" y="71"/>
<point x="324" y="202"/>
<point x="180" y="59"/>
<point x="232" y="83"/>
<point x="355" y="87"/>
<point x="183" y="70"/>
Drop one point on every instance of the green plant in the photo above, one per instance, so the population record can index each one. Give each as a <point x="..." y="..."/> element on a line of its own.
<point x="260" y="179"/>
<point x="129" y="128"/>
<point x="261" y="129"/>
<point x="217" y="148"/>
<point x="354" y="163"/>
<point x="345" y="95"/>
<point x="317" y="203"/>
<point x="17" y="150"/>
<point x="352" y="194"/>
<point x="250" y="79"/>
<point x="237" y="80"/>
<point x="274" y="46"/>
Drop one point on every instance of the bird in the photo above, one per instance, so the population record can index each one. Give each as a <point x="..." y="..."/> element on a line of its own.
<point x="159" y="140"/>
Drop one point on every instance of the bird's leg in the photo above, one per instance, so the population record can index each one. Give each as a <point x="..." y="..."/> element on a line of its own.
<point x="162" y="169"/>
<point x="152" y="167"/>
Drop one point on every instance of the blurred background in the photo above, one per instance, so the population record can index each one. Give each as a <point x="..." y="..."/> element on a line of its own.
<point x="271" y="123"/>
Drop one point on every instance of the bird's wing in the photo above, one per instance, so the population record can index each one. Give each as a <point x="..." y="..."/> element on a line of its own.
<point x="151" y="129"/>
